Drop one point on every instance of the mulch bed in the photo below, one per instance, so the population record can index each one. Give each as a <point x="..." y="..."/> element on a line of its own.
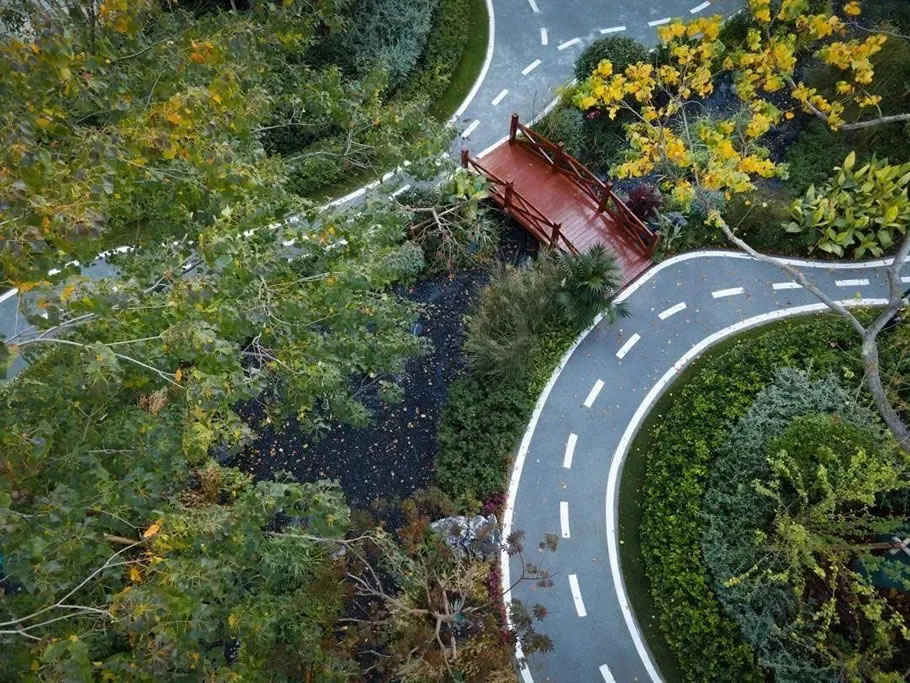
<point x="393" y="457"/>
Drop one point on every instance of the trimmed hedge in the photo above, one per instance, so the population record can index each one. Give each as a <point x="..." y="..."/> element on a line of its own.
<point x="444" y="50"/>
<point x="483" y="421"/>
<point x="707" y="643"/>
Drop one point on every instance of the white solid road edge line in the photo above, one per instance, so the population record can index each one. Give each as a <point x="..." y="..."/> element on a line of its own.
<point x="564" y="519"/>
<point x="733" y="291"/>
<point x="612" y="29"/>
<point x="699" y="8"/>
<point x="530" y="67"/>
<point x="622" y="449"/>
<point x="862" y="282"/>
<point x="625" y="348"/>
<point x="673" y="310"/>
<point x="569" y="43"/>
<point x="607" y="676"/>
<point x="576" y="596"/>
<point x="570" y="451"/>
<point x="659" y="22"/>
<point x="592" y="395"/>
<point x="522" y="453"/>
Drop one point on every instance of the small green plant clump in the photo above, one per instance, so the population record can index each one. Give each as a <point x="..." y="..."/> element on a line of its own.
<point x="860" y="210"/>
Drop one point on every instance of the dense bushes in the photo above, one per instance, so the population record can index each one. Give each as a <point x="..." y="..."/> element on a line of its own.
<point x="808" y="425"/>
<point x="698" y="422"/>
<point x="812" y="156"/>
<point x="390" y="34"/>
<point x="620" y="50"/>
<point x="444" y="50"/>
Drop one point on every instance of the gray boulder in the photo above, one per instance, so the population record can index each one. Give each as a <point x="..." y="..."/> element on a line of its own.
<point x="478" y="536"/>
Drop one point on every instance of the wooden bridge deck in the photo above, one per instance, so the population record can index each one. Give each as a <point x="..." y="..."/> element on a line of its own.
<point x="561" y="200"/>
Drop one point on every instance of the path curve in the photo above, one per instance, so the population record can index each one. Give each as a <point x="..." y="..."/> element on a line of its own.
<point x="570" y="459"/>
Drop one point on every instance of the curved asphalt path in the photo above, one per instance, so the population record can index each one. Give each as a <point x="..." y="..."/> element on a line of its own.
<point x="566" y="475"/>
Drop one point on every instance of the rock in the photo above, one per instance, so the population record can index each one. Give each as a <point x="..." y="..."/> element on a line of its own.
<point x="478" y="536"/>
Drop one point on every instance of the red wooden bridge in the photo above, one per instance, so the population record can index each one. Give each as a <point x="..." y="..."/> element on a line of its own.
<point x="559" y="201"/>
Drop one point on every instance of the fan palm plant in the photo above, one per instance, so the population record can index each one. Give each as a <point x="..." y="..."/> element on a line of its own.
<point x="589" y="281"/>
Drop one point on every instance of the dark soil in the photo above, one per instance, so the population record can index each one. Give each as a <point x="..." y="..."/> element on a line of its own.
<point x="393" y="457"/>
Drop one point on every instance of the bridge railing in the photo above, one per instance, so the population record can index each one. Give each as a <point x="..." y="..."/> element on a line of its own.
<point x="521" y="208"/>
<point x="599" y="191"/>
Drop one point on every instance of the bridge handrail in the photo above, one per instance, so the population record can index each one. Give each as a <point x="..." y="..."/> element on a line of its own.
<point x="601" y="192"/>
<point x="504" y="194"/>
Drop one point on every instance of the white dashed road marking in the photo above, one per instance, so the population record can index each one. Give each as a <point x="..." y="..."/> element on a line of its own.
<point x="564" y="519"/>
<point x="699" y="8"/>
<point x="862" y="282"/>
<point x="400" y="190"/>
<point x="576" y="596"/>
<point x="605" y="672"/>
<point x="681" y="306"/>
<point x="569" y="43"/>
<point x="720" y="293"/>
<point x="500" y="96"/>
<point x="7" y="294"/>
<point x="534" y="7"/>
<point x="659" y="22"/>
<point x="612" y="29"/>
<point x="625" y="348"/>
<point x="592" y="395"/>
<point x="570" y="451"/>
<point x="471" y="128"/>
<point x="530" y="67"/>
<point x="786" y="285"/>
<point x="544" y="37"/>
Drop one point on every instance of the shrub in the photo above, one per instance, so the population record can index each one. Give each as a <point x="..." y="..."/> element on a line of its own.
<point x="644" y="201"/>
<point x="801" y="472"/>
<point x="444" y="49"/>
<point x="483" y="421"/>
<point x="566" y="125"/>
<point x="859" y="210"/>
<point x="813" y="155"/>
<point x="588" y="281"/>
<point x="691" y="430"/>
<point x="620" y="50"/>
<point x="388" y="33"/>
<point x="517" y="306"/>
<point x="759" y="218"/>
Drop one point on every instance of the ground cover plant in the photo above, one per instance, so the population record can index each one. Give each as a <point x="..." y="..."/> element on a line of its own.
<point x="696" y="422"/>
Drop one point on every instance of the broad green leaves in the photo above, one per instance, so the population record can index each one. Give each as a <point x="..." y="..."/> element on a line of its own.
<point x="863" y="210"/>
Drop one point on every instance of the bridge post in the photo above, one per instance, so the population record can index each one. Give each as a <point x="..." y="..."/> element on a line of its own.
<point x="465" y="157"/>
<point x="559" y="156"/>
<point x="509" y="190"/>
<point x="605" y="197"/>
<point x="513" y="129"/>
<point x="554" y="238"/>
